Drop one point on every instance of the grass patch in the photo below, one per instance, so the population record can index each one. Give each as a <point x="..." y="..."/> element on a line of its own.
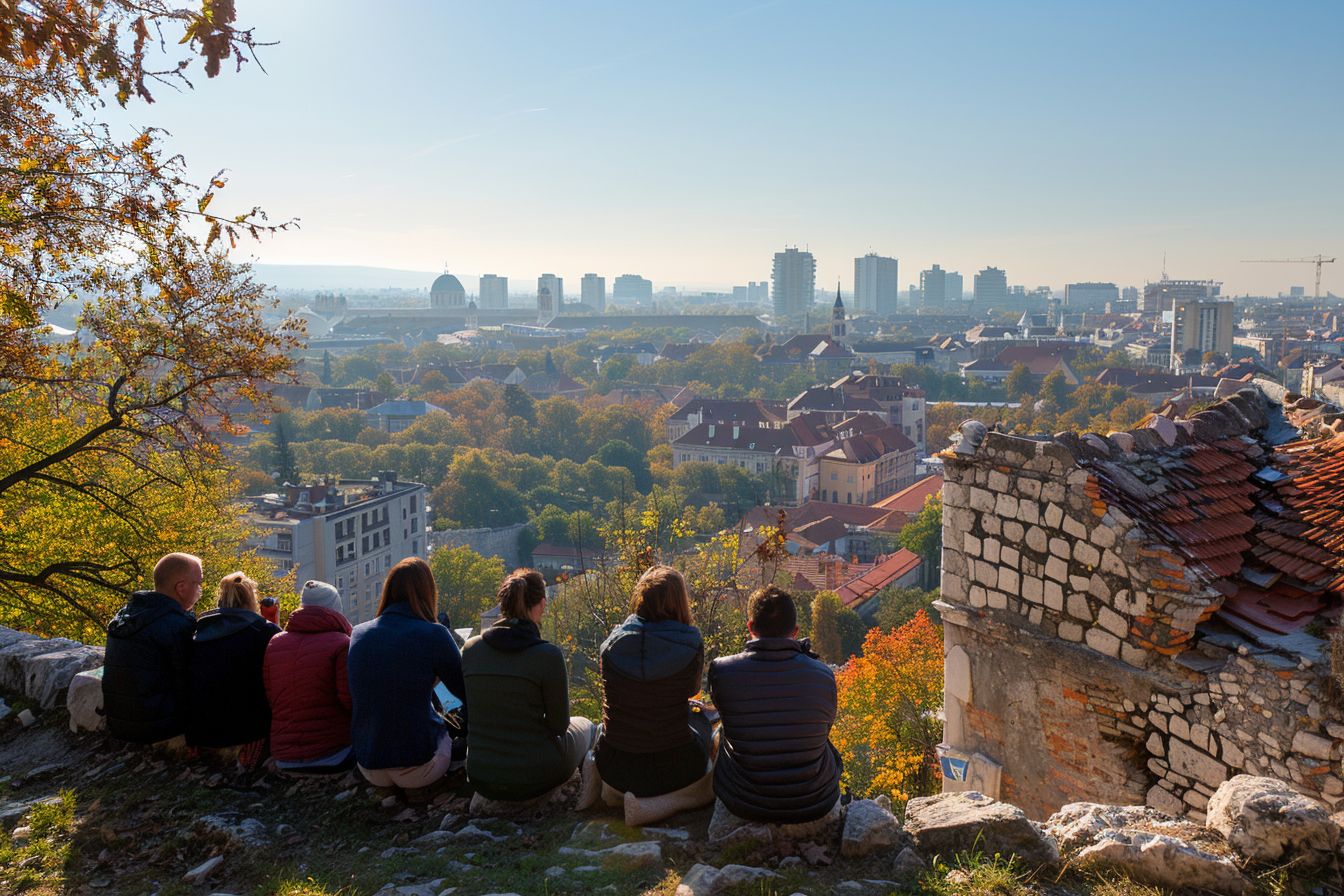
<point x="973" y="874"/>
<point x="41" y="860"/>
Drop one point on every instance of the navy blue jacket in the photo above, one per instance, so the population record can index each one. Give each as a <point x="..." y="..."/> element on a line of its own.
<point x="393" y="664"/>
<point x="777" y="703"/>
<point x="147" y="669"/>
<point x="228" y="693"/>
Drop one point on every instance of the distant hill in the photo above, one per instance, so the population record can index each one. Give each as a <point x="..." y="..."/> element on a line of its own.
<point x="338" y="277"/>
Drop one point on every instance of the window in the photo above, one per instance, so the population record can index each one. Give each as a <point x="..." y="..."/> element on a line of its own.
<point x="849" y="497"/>
<point x="415" y="546"/>
<point x="366" y="544"/>
<point x="387" y="537"/>
<point x="403" y="513"/>
<point x="415" y="524"/>
<point x="364" y="520"/>
<point x="367" y="568"/>
<point x="412" y="503"/>
<point x="835" y="476"/>
<point x="405" y="534"/>
<point x="340" y="583"/>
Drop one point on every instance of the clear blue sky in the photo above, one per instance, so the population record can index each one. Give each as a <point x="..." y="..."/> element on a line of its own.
<point x="690" y="141"/>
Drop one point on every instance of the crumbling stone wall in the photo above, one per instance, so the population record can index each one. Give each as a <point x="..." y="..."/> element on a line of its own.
<point x="1086" y="680"/>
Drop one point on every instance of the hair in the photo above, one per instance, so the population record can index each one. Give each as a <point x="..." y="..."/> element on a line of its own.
<point x="772" y="613"/>
<point x="661" y="594"/>
<point x="411" y="582"/>
<point x="173" y="568"/>
<point x="521" y="590"/>
<point x="239" y="591"/>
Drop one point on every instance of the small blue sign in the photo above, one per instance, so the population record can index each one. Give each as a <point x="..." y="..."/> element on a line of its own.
<point x="953" y="768"/>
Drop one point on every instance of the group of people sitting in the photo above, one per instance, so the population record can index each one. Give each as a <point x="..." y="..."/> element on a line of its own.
<point x="396" y="698"/>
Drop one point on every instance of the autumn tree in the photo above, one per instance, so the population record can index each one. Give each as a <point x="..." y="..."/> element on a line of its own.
<point x="887" y="726"/>
<point x="1018" y="381"/>
<point x="107" y="438"/>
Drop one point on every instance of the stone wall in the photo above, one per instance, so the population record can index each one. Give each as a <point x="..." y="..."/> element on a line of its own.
<point x="41" y="669"/>
<point x="1073" y="633"/>
<point x="501" y="543"/>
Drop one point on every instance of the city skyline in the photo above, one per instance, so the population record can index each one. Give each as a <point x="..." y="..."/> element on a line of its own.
<point x="1076" y="147"/>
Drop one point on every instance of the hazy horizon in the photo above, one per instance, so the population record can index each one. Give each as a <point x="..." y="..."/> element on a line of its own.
<point x="688" y="144"/>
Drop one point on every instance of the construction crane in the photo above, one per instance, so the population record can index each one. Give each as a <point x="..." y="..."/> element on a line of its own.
<point x="1318" y="261"/>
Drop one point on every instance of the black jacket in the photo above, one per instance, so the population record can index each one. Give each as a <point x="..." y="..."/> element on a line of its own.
<point x="777" y="704"/>
<point x="147" y="667"/>
<point x="228" y="690"/>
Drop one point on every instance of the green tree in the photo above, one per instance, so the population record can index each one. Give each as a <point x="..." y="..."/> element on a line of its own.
<point x="472" y="496"/>
<point x="924" y="534"/>
<point x="852" y="630"/>
<point x="619" y="453"/>
<point x="518" y="403"/>
<point x="1055" y="388"/>
<point x="467" y="582"/>
<point x="326" y="368"/>
<point x="386" y="386"/>
<point x="1018" y="381"/>
<point x="897" y="606"/>
<point x="285" y="468"/>
<point x="826" y="638"/>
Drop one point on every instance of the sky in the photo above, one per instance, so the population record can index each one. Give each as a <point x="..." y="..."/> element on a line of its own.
<point x="688" y="142"/>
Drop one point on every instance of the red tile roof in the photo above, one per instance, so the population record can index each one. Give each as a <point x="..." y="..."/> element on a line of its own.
<point x="887" y="570"/>
<point x="911" y="499"/>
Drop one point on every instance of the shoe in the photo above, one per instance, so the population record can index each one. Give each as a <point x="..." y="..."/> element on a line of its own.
<point x="418" y="796"/>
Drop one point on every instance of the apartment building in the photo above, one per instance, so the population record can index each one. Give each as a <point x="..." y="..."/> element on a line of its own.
<point x="867" y="467"/>
<point x="347" y="533"/>
<point x="902" y="404"/>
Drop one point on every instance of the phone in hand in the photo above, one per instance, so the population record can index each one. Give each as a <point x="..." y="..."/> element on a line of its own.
<point x="447" y="699"/>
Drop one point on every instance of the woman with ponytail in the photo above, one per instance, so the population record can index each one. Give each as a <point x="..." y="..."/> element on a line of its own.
<point x="401" y="741"/>
<point x="228" y="693"/>
<point x="523" y="741"/>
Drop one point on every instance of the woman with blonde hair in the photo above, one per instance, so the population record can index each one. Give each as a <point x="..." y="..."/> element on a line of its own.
<point x="401" y="740"/>
<point x="228" y="691"/>
<point x="656" y="743"/>
<point x="523" y="741"/>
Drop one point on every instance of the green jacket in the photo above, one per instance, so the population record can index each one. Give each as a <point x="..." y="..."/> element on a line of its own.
<point x="518" y="703"/>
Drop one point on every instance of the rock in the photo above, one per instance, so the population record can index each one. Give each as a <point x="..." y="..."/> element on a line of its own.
<point x="469" y="834"/>
<point x="1266" y="821"/>
<point x="860" y="887"/>
<point x="867" y="827"/>
<point x="908" y="864"/>
<point x="1077" y="825"/>
<point x="242" y="831"/>
<point x="84" y="700"/>
<point x="725" y="827"/>
<point x="14" y="655"/>
<point x="4" y="709"/>
<point x="482" y="806"/>
<point x="202" y="871"/>
<point x="950" y="823"/>
<point x="21" y="834"/>
<point x="706" y="880"/>
<point x="47" y="675"/>
<point x="388" y="802"/>
<point x="448" y="821"/>
<point x="1162" y="861"/>
<point x="623" y="857"/>
<point x="554" y="871"/>
<point x="26" y="718"/>
<point x="667" y="833"/>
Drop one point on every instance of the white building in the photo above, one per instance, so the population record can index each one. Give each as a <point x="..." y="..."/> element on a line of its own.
<point x="594" y="292"/>
<point x="1202" y="324"/>
<point x="875" y="284"/>
<point x="494" y="291"/>
<point x="794" y="282"/>
<point x="348" y="534"/>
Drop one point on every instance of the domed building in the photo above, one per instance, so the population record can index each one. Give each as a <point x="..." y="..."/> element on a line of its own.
<point x="447" y="292"/>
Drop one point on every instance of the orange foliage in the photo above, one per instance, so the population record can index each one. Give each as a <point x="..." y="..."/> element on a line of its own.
<point x="887" y="722"/>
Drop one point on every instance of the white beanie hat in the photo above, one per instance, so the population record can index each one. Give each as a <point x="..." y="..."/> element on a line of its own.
<point x="320" y="594"/>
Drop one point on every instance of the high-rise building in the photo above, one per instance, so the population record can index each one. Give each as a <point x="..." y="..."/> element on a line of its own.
<point x="933" y="286"/>
<point x="758" y="292"/>
<point x="1130" y="294"/>
<point x="594" y="292"/>
<point x="1162" y="295"/>
<point x="991" y="287"/>
<point x="953" y="286"/>
<point x="494" y="291"/>
<point x="1203" y="324"/>
<point x="875" y="284"/>
<point x="1089" y="296"/>
<point x="793" y="282"/>
<point x="632" y="287"/>
<point x="556" y="287"/>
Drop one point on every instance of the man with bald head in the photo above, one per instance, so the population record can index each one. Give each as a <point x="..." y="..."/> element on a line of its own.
<point x="146" y="671"/>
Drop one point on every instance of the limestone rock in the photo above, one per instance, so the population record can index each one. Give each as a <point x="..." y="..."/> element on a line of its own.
<point x="908" y="863"/>
<point x="1162" y="861"/>
<point x="867" y="827"/>
<point x="47" y="675"/>
<point x="242" y="831"/>
<point x="972" y="822"/>
<point x="13" y="657"/>
<point x="725" y="827"/>
<point x="623" y="857"/>
<point x="202" y="871"/>
<point x="84" y="700"/>
<point x="706" y="880"/>
<point x="1266" y="821"/>
<point x="1077" y="825"/>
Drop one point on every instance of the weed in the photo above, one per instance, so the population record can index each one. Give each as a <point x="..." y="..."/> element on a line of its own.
<point x="43" y="857"/>
<point x="974" y="874"/>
